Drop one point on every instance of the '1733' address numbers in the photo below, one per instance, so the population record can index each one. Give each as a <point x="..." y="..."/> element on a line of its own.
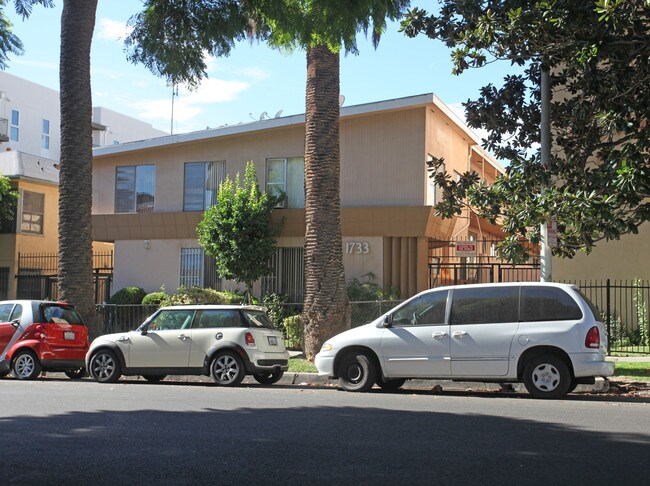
<point x="358" y="247"/>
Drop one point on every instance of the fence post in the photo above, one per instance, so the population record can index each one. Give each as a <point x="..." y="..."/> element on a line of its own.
<point x="609" y="319"/>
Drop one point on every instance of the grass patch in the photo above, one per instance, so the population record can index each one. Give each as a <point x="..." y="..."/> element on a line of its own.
<point x="629" y="350"/>
<point x="301" y="365"/>
<point x="633" y="370"/>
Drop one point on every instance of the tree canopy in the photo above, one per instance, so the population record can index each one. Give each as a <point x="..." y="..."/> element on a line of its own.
<point x="237" y="231"/>
<point x="8" y="198"/>
<point x="598" y="53"/>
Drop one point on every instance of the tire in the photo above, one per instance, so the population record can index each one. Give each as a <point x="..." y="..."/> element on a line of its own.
<point x="268" y="378"/>
<point x="227" y="369"/>
<point x="357" y="372"/>
<point x="391" y="385"/>
<point x="547" y="376"/>
<point x="154" y="378"/>
<point x="573" y="386"/>
<point x="105" y="367"/>
<point x="26" y="365"/>
<point x="76" y="374"/>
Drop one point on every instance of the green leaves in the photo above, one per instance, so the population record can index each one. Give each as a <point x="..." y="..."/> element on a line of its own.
<point x="237" y="230"/>
<point x="597" y="185"/>
<point x="8" y="199"/>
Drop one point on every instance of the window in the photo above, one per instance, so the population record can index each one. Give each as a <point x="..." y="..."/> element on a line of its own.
<point x="485" y="305"/>
<point x="31" y="220"/>
<point x="198" y="269"/>
<point x="202" y="181"/>
<point x="217" y="318"/>
<point x="435" y="189"/>
<point x="135" y="189"/>
<point x="547" y="304"/>
<point x="45" y="137"/>
<point x="57" y="314"/>
<point x="171" y="320"/>
<point x="288" y="176"/>
<point x="4" y="283"/>
<point x="288" y="274"/>
<point x="5" y="312"/>
<point x="15" y="125"/>
<point x="426" y="310"/>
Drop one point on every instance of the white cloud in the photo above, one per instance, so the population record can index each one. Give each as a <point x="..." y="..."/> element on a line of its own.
<point x="112" y="30"/>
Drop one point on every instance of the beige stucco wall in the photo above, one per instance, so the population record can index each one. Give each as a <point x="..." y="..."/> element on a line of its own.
<point x="623" y="259"/>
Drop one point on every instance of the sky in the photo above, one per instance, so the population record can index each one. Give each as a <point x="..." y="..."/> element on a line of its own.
<point x="252" y="81"/>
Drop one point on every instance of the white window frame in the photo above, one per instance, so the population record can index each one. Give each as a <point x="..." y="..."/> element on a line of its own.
<point x="45" y="136"/>
<point x="283" y="185"/>
<point x="134" y="208"/>
<point x="14" y="127"/>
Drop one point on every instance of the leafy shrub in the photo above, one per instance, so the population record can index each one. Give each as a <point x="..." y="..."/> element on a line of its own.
<point x="359" y="291"/>
<point x="155" y="298"/>
<point x="275" y="307"/>
<point x="198" y="295"/>
<point x="128" y="295"/>
<point x="292" y="327"/>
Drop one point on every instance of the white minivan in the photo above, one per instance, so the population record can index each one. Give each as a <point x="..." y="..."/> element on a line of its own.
<point x="548" y="336"/>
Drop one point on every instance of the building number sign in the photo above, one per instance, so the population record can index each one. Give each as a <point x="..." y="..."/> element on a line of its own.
<point x="358" y="247"/>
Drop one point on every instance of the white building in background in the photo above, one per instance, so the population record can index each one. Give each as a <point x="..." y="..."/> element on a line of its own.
<point x="30" y="150"/>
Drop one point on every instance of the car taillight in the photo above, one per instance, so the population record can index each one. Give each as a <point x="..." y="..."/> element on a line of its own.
<point x="250" y="340"/>
<point x="40" y="334"/>
<point x="593" y="338"/>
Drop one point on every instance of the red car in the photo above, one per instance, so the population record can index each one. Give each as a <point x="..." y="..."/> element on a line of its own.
<point x="38" y="336"/>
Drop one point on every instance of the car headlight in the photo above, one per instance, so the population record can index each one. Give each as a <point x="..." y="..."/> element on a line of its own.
<point x="326" y="347"/>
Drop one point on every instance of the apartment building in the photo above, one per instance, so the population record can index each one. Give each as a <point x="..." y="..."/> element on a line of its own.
<point x="149" y="196"/>
<point x="30" y="148"/>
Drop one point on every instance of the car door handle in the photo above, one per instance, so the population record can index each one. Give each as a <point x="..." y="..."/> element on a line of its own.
<point x="123" y="338"/>
<point x="183" y="337"/>
<point x="459" y="334"/>
<point x="439" y="335"/>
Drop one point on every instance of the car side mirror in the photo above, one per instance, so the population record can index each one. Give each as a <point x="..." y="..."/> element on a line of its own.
<point x="386" y="321"/>
<point x="15" y="323"/>
<point x="143" y="331"/>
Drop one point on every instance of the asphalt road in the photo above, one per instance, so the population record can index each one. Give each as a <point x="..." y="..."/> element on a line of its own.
<point x="58" y="431"/>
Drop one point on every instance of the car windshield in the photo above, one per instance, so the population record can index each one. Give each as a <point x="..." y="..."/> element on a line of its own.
<point x="258" y="319"/>
<point x="58" y="314"/>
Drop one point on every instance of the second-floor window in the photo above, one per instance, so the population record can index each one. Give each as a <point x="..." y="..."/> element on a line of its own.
<point x="31" y="218"/>
<point x="287" y="175"/>
<point x="135" y="188"/>
<point x="201" y="185"/>
<point x="45" y="137"/>
<point x="15" y="125"/>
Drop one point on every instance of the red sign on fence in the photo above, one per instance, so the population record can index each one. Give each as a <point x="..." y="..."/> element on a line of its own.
<point x="465" y="248"/>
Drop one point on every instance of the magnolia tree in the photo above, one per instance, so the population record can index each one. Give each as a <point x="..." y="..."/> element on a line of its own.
<point x="597" y="183"/>
<point x="237" y="231"/>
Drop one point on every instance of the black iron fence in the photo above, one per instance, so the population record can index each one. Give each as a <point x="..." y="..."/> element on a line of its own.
<point x="441" y="274"/>
<point x="624" y="307"/>
<point x="45" y="287"/>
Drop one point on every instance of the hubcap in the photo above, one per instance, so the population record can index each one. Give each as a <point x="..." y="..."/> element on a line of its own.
<point x="355" y="373"/>
<point x="103" y="367"/>
<point x="24" y="366"/>
<point x="226" y="369"/>
<point x="546" y="377"/>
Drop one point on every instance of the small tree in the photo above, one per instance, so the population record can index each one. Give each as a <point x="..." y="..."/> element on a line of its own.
<point x="8" y="198"/>
<point x="237" y="230"/>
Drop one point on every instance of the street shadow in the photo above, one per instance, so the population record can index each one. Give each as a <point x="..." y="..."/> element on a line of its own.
<point x="312" y="446"/>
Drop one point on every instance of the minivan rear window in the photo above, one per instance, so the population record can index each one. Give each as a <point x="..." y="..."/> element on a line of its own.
<point x="547" y="304"/>
<point x="58" y="314"/>
<point x="592" y="307"/>
<point x="485" y="305"/>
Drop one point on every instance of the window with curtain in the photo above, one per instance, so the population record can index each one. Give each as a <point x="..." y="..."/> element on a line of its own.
<point x="135" y="188"/>
<point x="31" y="219"/>
<point x="15" y="125"/>
<point x="201" y="184"/>
<point x="287" y="175"/>
<point x="45" y="136"/>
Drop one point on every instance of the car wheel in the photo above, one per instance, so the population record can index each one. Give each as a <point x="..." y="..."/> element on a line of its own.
<point x="26" y="365"/>
<point x="154" y="378"/>
<point x="547" y="377"/>
<point x="269" y="378"/>
<point x="573" y="386"/>
<point x="227" y="369"/>
<point x="357" y="372"/>
<point x="391" y="385"/>
<point x="105" y="367"/>
<point x="76" y="374"/>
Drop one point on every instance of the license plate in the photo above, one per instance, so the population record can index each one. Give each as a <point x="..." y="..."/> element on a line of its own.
<point x="273" y="341"/>
<point x="69" y="335"/>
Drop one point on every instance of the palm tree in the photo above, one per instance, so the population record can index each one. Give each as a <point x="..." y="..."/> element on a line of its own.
<point x="75" y="179"/>
<point x="172" y="44"/>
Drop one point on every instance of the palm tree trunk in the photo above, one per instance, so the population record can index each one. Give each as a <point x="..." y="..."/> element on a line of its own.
<point x="75" y="181"/>
<point x="327" y="309"/>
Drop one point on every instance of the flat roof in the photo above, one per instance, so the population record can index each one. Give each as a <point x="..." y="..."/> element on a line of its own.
<point x="287" y="121"/>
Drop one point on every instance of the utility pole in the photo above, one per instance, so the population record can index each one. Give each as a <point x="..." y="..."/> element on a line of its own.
<point x="545" y="155"/>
